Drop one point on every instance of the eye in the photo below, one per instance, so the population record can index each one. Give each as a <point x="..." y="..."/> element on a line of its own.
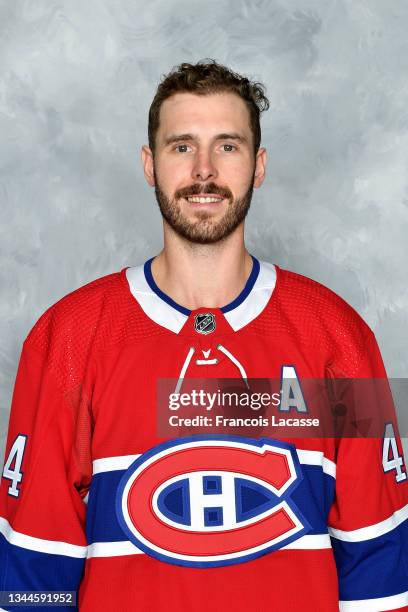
<point x="229" y="145"/>
<point x="177" y="148"/>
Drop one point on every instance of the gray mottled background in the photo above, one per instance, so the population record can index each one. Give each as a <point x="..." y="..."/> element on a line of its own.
<point x="76" y="82"/>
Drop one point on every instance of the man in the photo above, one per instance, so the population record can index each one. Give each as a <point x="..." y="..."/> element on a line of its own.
<point x="93" y="499"/>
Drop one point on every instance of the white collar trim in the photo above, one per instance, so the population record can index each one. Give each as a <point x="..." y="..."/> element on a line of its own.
<point x="257" y="299"/>
<point x="165" y="315"/>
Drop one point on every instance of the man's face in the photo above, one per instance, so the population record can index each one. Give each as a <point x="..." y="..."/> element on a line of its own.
<point x="204" y="147"/>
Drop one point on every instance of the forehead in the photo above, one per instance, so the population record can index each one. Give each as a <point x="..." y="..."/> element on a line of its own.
<point x="205" y="114"/>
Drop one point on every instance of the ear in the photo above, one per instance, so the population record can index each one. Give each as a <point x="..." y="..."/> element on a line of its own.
<point x="148" y="166"/>
<point x="260" y="167"/>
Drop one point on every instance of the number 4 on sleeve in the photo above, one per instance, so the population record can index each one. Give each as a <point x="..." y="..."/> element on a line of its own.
<point x="14" y="472"/>
<point x="391" y="459"/>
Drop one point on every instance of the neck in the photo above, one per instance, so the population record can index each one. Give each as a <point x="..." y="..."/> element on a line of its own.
<point x="196" y="275"/>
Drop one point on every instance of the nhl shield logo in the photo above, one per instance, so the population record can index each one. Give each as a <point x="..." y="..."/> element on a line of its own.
<point x="209" y="502"/>
<point x="204" y="323"/>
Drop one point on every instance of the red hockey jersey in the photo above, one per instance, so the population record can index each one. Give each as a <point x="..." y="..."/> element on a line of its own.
<point x="93" y="500"/>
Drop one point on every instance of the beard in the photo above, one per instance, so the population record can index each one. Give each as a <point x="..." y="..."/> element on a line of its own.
<point x="204" y="229"/>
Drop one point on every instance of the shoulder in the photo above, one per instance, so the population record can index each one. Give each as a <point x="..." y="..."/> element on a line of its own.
<point x="317" y="318"/>
<point x="93" y="317"/>
<point x="78" y="309"/>
<point x="310" y="300"/>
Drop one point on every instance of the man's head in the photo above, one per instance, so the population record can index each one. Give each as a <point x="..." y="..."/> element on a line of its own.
<point x="204" y="138"/>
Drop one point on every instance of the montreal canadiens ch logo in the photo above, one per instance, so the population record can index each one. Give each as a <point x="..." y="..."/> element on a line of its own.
<point x="205" y="502"/>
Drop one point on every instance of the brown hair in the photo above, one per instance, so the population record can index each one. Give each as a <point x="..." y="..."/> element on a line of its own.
<point x="208" y="77"/>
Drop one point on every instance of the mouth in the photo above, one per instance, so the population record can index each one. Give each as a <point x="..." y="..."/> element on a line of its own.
<point x="205" y="199"/>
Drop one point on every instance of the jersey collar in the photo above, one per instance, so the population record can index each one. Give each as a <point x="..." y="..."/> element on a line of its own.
<point x="162" y="309"/>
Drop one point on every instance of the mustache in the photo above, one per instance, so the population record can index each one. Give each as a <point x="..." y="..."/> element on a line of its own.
<point x="196" y="189"/>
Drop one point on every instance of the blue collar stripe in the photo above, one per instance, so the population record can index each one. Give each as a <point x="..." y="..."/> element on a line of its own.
<point x="247" y="289"/>
<point x="152" y="284"/>
<point x="185" y="311"/>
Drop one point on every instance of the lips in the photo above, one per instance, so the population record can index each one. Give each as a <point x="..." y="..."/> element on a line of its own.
<point x="204" y="195"/>
<point x="204" y="198"/>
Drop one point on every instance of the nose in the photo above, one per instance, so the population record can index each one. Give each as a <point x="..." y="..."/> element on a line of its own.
<point x="204" y="167"/>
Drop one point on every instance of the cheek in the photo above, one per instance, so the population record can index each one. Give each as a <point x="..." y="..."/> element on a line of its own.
<point x="169" y="178"/>
<point x="172" y="169"/>
<point x="236" y="175"/>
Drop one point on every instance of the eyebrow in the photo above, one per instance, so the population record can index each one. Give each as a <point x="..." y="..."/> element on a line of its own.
<point x="183" y="137"/>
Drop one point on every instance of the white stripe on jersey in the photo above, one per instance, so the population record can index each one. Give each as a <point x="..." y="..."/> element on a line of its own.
<point x="51" y="547"/>
<point x="372" y="531"/>
<point x="113" y="549"/>
<point x="110" y="464"/>
<point x="117" y="549"/>
<point x="379" y="604"/>
<point x="308" y="457"/>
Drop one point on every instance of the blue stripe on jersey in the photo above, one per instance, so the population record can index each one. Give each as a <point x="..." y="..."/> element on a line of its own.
<point x="373" y="568"/>
<point x="313" y="497"/>
<point x="52" y="572"/>
<point x="101" y="523"/>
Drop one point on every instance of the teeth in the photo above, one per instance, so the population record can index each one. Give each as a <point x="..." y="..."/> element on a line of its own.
<point x="199" y="200"/>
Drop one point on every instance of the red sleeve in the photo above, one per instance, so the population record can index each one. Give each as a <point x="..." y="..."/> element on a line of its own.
<point x="42" y="512"/>
<point x="368" y="521"/>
